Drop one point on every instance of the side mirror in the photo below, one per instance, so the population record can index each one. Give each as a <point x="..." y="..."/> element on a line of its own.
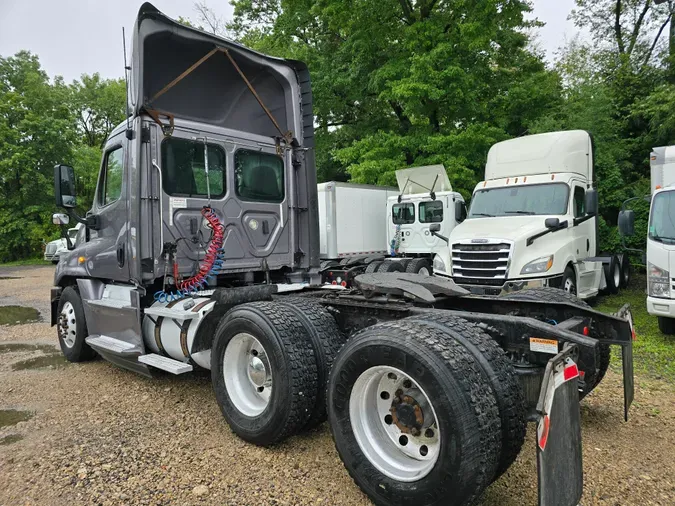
<point x="64" y="186"/>
<point x="627" y="222"/>
<point x="459" y="209"/>
<point x="591" y="202"/>
<point x="435" y="227"/>
<point x="552" y="222"/>
<point x="60" y="219"/>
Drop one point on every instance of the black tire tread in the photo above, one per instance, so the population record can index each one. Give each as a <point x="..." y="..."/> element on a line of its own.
<point x="416" y="264"/>
<point x="300" y="362"/>
<point x="327" y="339"/>
<point x="501" y="375"/>
<point x="479" y="393"/>
<point x="390" y="266"/>
<point x="373" y="266"/>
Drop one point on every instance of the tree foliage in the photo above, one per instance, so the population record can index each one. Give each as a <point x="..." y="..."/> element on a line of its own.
<point x="44" y="122"/>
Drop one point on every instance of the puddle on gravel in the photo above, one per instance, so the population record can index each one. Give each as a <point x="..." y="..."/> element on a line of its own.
<point x="9" y="277"/>
<point x="55" y="360"/>
<point x="12" y="438"/>
<point x="13" y="416"/>
<point x="14" y="315"/>
<point x="19" y="347"/>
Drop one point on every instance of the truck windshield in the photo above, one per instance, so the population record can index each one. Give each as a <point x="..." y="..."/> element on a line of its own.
<point x="550" y="198"/>
<point x="662" y="217"/>
<point x="403" y="214"/>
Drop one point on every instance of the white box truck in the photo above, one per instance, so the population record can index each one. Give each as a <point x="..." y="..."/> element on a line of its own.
<point x="660" y="238"/>
<point x="352" y="220"/>
<point x="532" y="222"/>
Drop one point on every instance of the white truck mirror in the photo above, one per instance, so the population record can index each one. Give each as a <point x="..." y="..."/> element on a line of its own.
<point x="60" y="219"/>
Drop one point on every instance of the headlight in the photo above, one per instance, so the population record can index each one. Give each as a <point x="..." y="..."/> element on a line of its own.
<point x="658" y="281"/>
<point x="439" y="264"/>
<point x="542" y="264"/>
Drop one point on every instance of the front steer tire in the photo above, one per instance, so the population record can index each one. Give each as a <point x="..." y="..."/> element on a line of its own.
<point x="461" y="397"/>
<point x="71" y="314"/>
<point x="291" y="358"/>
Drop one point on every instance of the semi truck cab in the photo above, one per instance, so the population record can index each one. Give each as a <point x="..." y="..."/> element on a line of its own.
<point x="532" y="221"/>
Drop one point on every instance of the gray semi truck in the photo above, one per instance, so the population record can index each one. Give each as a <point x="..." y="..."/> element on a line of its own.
<point x="201" y="251"/>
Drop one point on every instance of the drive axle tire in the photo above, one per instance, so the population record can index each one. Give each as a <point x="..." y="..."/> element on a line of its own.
<point x="626" y="271"/>
<point x="613" y="275"/>
<point x="373" y="266"/>
<point x="263" y="370"/>
<point x="666" y="325"/>
<point x="413" y="417"/>
<point x="390" y="266"/>
<point x="419" y="266"/>
<point x="72" y="327"/>
<point x="327" y="339"/>
<point x="592" y="378"/>
<point x="499" y="371"/>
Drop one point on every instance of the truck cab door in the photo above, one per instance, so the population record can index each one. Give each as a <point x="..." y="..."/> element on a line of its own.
<point x="584" y="241"/>
<point x="106" y="252"/>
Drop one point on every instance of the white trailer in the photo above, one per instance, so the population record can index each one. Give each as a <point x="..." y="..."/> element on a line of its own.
<point x="352" y="220"/>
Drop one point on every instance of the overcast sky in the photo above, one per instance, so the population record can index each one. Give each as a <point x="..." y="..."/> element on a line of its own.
<point x="74" y="37"/>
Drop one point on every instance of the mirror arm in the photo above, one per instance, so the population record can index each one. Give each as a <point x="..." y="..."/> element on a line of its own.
<point x="92" y="221"/>
<point x="441" y="237"/>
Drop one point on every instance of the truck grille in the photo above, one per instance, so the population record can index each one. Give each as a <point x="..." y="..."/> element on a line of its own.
<point x="51" y="249"/>
<point x="480" y="264"/>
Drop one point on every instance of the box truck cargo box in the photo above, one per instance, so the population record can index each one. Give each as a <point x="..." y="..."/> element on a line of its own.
<point x="353" y="219"/>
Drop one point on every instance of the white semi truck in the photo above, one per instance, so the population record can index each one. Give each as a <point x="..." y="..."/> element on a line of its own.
<point x="660" y="238"/>
<point x="533" y="222"/>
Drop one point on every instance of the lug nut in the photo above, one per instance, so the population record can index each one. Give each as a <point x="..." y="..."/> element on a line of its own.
<point x="407" y="384"/>
<point x="429" y="433"/>
<point x="415" y="431"/>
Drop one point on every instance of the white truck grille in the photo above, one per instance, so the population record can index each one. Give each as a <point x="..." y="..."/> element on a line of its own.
<point x="51" y="249"/>
<point x="482" y="261"/>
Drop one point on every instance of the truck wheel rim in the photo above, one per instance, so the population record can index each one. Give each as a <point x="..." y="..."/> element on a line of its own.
<point x="394" y="424"/>
<point x="617" y="275"/>
<point x="569" y="286"/>
<point x="423" y="271"/>
<point x="247" y="374"/>
<point x="68" y="325"/>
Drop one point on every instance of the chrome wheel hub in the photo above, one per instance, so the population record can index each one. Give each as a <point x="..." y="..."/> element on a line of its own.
<point x="394" y="423"/>
<point x="67" y="325"/>
<point x="247" y="374"/>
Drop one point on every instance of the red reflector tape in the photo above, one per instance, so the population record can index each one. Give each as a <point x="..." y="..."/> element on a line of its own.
<point x="586" y="331"/>
<point x="334" y="282"/>
<point x="571" y="371"/>
<point x="543" y="437"/>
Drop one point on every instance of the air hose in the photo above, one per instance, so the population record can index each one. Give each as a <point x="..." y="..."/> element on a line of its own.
<point x="211" y="264"/>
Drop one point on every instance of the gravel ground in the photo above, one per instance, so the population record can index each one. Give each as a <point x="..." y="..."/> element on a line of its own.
<point x="100" y="435"/>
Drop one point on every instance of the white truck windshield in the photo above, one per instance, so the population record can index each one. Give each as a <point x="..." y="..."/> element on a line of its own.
<point x="550" y="198"/>
<point x="662" y="218"/>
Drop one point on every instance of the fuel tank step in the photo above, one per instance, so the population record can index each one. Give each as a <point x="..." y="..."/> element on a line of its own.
<point x="165" y="363"/>
<point x="112" y="345"/>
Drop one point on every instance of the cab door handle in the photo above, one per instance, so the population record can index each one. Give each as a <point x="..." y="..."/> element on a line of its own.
<point x="120" y="255"/>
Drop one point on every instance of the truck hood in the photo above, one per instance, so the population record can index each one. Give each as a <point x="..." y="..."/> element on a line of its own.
<point x="511" y="228"/>
<point x="183" y="72"/>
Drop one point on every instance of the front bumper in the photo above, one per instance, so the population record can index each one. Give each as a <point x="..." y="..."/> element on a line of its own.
<point x="661" y="307"/>
<point x="512" y="285"/>
<point x="51" y="257"/>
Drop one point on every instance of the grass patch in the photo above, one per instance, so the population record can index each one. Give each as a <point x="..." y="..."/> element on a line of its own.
<point x="653" y="352"/>
<point x="26" y="261"/>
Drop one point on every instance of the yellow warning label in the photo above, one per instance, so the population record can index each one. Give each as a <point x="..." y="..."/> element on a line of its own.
<point x="541" y="345"/>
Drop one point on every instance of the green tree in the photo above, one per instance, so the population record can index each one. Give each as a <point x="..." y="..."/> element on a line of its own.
<point x="37" y="130"/>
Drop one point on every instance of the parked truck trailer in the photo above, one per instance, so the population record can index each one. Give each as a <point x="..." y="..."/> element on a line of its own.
<point x="202" y="250"/>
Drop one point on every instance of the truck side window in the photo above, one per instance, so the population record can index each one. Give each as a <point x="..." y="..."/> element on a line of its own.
<point x="183" y="168"/>
<point x="259" y="176"/>
<point x="403" y="214"/>
<point x="579" y="202"/>
<point x="431" y="212"/>
<point x="111" y="183"/>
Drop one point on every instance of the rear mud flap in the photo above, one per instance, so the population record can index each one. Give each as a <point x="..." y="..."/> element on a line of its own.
<point x="559" y="460"/>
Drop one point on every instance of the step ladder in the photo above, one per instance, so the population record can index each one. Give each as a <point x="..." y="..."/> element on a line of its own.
<point x="165" y="363"/>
